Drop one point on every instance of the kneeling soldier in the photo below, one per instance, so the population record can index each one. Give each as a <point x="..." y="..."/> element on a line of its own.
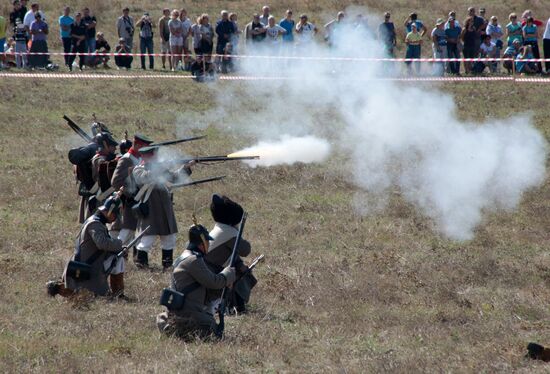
<point x="94" y="247"/>
<point x="192" y="277"/>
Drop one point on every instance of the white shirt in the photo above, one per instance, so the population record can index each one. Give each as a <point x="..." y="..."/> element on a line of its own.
<point x="547" y="31"/>
<point x="29" y="18"/>
<point x="186" y="25"/>
<point x="308" y="31"/>
<point x="487" y="50"/>
<point x="272" y="34"/>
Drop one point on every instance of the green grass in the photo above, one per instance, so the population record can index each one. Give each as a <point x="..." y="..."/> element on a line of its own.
<point x="337" y="293"/>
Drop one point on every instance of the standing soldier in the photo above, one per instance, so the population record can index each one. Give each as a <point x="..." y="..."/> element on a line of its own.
<point x="94" y="246"/>
<point x="122" y="177"/>
<point x="155" y="206"/>
<point x="104" y="163"/>
<point x="192" y="278"/>
<point x="227" y="215"/>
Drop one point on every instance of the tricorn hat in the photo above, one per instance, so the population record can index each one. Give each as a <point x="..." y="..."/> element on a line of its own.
<point x="198" y="234"/>
<point x="226" y="211"/>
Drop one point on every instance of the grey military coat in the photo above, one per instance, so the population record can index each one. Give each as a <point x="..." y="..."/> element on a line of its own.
<point x="93" y="237"/>
<point x="122" y="177"/>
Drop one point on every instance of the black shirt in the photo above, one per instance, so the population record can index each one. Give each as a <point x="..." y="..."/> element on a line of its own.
<point x="259" y="37"/>
<point x="90" y="33"/>
<point x="102" y="44"/>
<point x="78" y="29"/>
<point x="17" y="14"/>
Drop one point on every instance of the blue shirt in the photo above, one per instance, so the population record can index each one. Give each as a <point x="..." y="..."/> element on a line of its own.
<point x="520" y="64"/>
<point x="65" y="21"/>
<point x="530" y="30"/>
<point x="453" y="33"/>
<point x="419" y="26"/>
<point x="289" y="27"/>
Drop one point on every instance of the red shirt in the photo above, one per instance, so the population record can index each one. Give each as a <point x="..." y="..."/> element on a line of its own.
<point x="536" y="22"/>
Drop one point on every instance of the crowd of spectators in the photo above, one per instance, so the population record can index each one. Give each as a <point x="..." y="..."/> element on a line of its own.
<point x="201" y="46"/>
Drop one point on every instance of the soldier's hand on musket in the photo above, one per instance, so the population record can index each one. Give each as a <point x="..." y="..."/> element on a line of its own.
<point x="230" y="275"/>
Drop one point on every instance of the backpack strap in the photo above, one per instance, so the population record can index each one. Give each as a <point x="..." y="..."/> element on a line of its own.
<point x="93" y="258"/>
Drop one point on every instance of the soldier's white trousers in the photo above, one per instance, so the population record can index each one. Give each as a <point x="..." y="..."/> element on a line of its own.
<point x="166" y="242"/>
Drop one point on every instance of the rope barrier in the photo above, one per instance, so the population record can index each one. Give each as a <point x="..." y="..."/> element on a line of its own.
<point x="54" y="75"/>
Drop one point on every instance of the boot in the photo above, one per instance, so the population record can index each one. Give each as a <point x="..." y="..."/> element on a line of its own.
<point x="167" y="259"/>
<point x="538" y="352"/>
<point x="142" y="259"/>
<point x="116" y="282"/>
<point x="58" y="288"/>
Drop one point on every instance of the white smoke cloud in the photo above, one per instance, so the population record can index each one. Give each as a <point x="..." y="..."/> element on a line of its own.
<point x="287" y="151"/>
<point x="400" y="137"/>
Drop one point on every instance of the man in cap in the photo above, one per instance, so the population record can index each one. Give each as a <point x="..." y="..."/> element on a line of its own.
<point x="439" y="46"/>
<point x="192" y="277"/>
<point x="333" y="28"/>
<point x="227" y="216"/>
<point x="155" y="206"/>
<point x="94" y="246"/>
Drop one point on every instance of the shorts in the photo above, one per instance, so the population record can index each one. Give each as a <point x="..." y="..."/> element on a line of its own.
<point x="2" y="41"/>
<point x="165" y="47"/>
<point x="176" y="41"/>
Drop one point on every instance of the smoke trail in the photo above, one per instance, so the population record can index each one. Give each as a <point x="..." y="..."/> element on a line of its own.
<point x="287" y="151"/>
<point x="399" y="136"/>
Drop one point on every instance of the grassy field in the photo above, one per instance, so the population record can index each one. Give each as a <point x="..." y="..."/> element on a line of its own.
<point x="337" y="293"/>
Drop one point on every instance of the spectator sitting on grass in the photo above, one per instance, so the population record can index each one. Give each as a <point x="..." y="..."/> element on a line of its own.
<point x="227" y="65"/>
<point x="511" y="52"/>
<point x="120" y="60"/>
<point x="526" y="67"/>
<point x="487" y="49"/>
<point x="101" y="53"/>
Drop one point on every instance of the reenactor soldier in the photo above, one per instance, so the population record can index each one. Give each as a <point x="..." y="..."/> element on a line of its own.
<point x="192" y="278"/>
<point x="103" y="166"/>
<point x="155" y="206"/>
<point x="123" y="178"/>
<point x="227" y="215"/>
<point x="94" y="249"/>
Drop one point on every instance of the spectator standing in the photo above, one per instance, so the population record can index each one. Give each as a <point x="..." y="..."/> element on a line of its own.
<point x="164" y="32"/>
<point x="452" y="14"/>
<point x="176" y="38"/>
<point x="266" y="13"/>
<point x="78" y="35"/>
<point x="3" y="31"/>
<point x="513" y="30"/>
<point x="413" y="40"/>
<point x="288" y="24"/>
<point x="439" y="46"/>
<point x="20" y="37"/>
<point x="452" y="32"/>
<point x="235" y="37"/>
<point x="18" y="13"/>
<point x="65" y="22"/>
<point x="145" y="25"/>
<point x="254" y="31"/>
<point x="39" y="44"/>
<point x="224" y="29"/>
<point x="387" y="35"/>
<point x="305" y="31"/>
<point x="274" y="35"/>
<point x="125" y="28"/>
<point x="546" y="45"/>
<point x="333" y="28"/>
<point x="511" y="52"/>
<point x="470" y="38"/>
<point x="90" y="22"/>
<point x="529" y="13"/>
<point x="483" y="31"/>
<point x="479" y="25"/>
<point x="413" y="19"/>
<point x="186" y="26"/>
<point x="30" y="16"/>
<point x="203" y="37"/>
<point x="121" y="59"/>
<point x="494" y="30"/>
<point x="531" y="37"/>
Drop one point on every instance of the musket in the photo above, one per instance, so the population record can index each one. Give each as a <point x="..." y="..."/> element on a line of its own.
<point x="221" y="309"/>
<point x="200" y="181"/>
<point x="207" y="159"/>
<point x="177" y="141"/>
<point x="125" y="248"/>
<point x="78" y="130"/>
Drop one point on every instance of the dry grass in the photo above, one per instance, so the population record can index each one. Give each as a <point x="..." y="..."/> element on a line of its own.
<point x="337" y="293"/>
